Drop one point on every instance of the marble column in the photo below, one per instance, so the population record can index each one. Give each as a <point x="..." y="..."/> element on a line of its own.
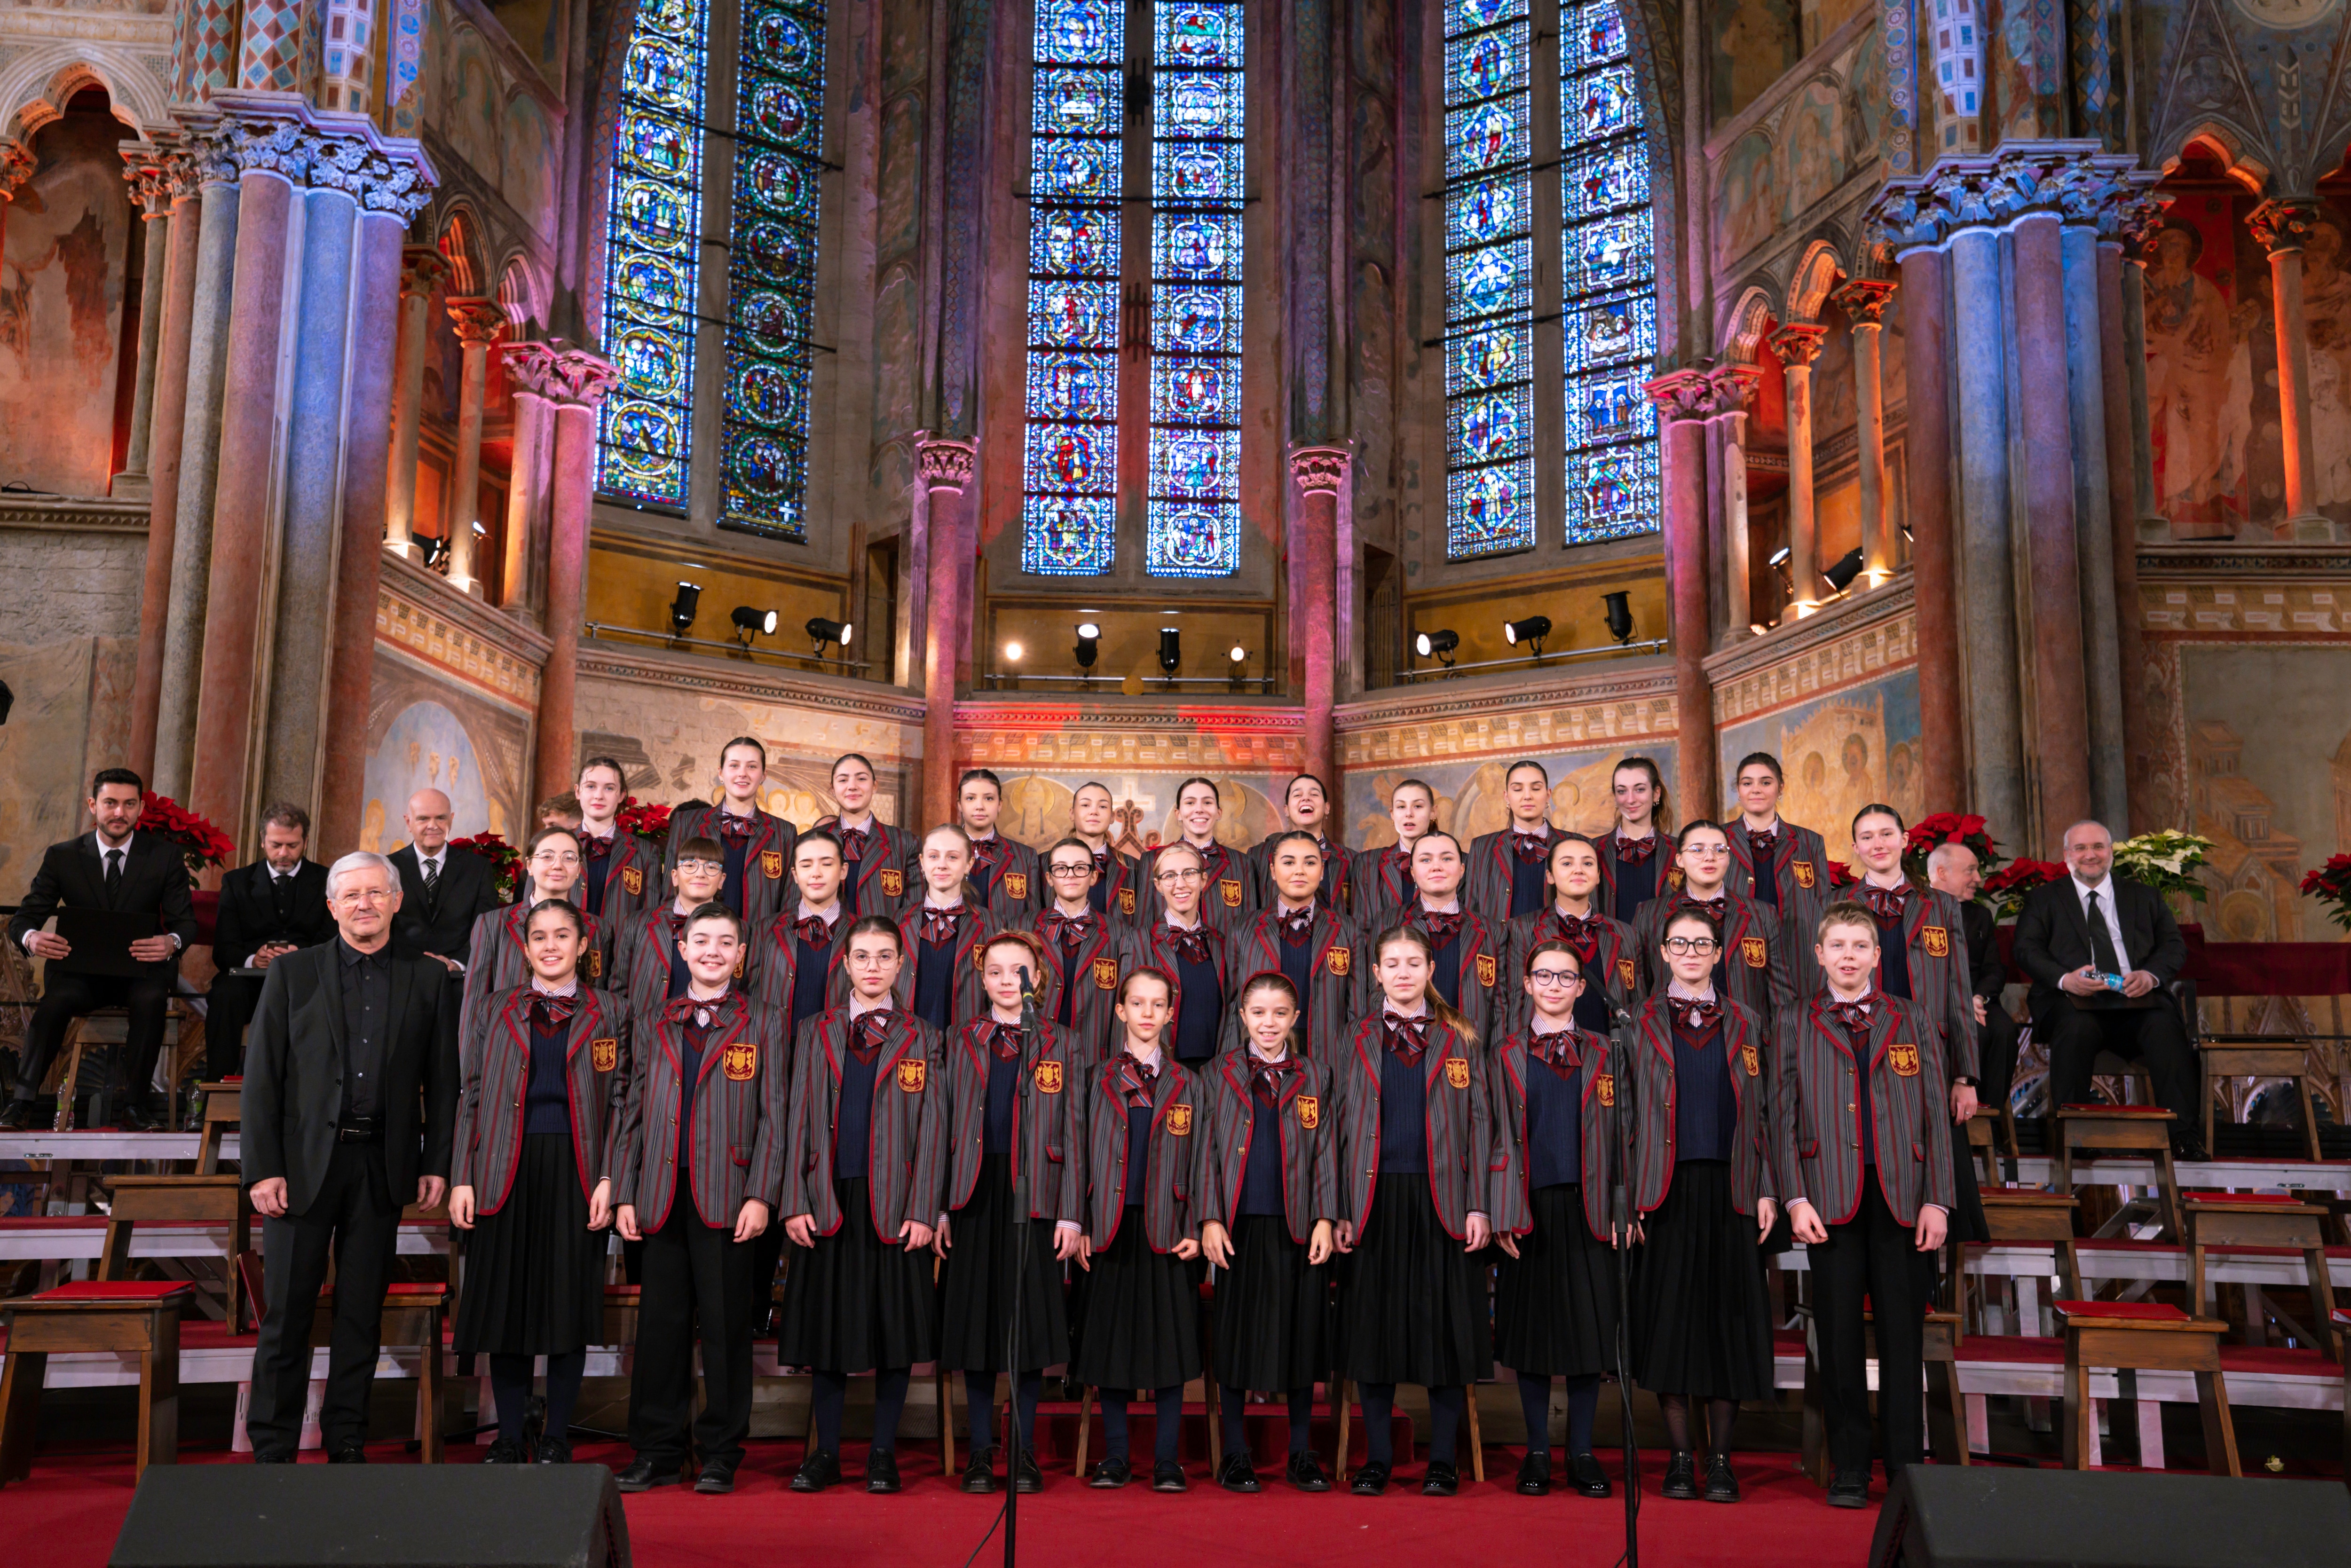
<point x="1864" y="301"/>
<point x="178" y="286"/>
<point x="1686" y="402"/>
<point x="2152" y="525"/>
<point x="477" y="322"/>
<point x="422" y="270"/>
<point x="1988" y="619"/>
<point x="521" y="576"/>
<point x="1934" y="579"/>
<point x="150" y="178"/>
<point x="1321" y="472"/>
<point x="2283" y="224"/>
<point x="2085" y="406"/>
<point x="1734" y="388"/>
<point x="947" y="480"/>
<point x="1798" y="344"/>
<point x="2117" y="231"/>
<point x="571" y="383"/>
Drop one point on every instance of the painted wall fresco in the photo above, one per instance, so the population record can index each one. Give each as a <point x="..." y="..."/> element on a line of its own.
<point x="1817" y="134"/>
<point x="2268" y="781"/>
<point x="1754" y="42"/>
<point x="1469" y="794"/>
<point x="424" y="732"/>
<point x="1841" y="752"/>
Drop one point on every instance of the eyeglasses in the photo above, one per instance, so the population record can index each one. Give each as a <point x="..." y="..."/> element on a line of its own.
<point x="719" y="866"/>
<point x="556" y="857"/>
<point x="1065" y="868"/>
<point x="1701" y="944"/>
<point x="1552" y="977"/>
<point x="365" y="895"/>
<point x="1190" y="873"/>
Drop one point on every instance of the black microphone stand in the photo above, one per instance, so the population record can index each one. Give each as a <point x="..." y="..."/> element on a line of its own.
<point x="1620" y="1220"/>
<point x="1013" y="1446"/>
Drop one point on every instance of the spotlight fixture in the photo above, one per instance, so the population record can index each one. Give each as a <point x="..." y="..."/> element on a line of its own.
<point x="428" y="549"/>
<point x="1779" y="556"/>
<point x="751" y="622"/>
<point x="1531" y="630"/>
<point x="1013" y="652"/>
<point x="1238" y="669"/>
<point x="682" y="608"/>
<point x="1620" y="615"/>
<point x="1171" y="650"/>
<point x="1848" y="566"/>
<point x="1437" y="645"/>
<point x="1239" y="654"/>
<point x="1089" y="646"/>
<point x="821" y="631"/>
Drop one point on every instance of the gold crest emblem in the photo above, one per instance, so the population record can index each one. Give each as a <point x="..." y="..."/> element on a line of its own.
<point x="1179" y="1119"/>
<point x="893" y="882"/>
<point x="1673" y="879"/>
<point x="1751" y="1059"/>
<point x="1625" y="973"/>
<point x="1126" y="900"/>
<point x="1752" y="949"/>
<point x="1456" y="1071"/>
<point x="912" y="1074"/>
<point x="1937" y="941"/>
<point x="595" y="965"/>
<point x="1049" y="1078"/>
<point x="1604" y="1086"/>
<point x="633" y="879"/>
<point x="1016" y="885"/>
<point x="1339" y="960"/>
<point x="1486" y="970"/>
<point x="1310" y="1112"/>
<point x="741" y="1061"/>
<point x="1105" y="974"/>
<point x="1804" y="870"/>
<point x="1231" y="888"/>
<point x="604" y="1055"/>
<point x="771" y="864"/>
<point x="1903" y="1057"/>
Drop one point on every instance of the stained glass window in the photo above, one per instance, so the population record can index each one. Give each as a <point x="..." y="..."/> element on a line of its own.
<point x="771" y="269"/>
<point x="1197" y="103"/>
<point x="1489" y="279"/>
<point x="1609" y="317"/>
<point x="654" y="230"/>
<point x="1071" y="466"/>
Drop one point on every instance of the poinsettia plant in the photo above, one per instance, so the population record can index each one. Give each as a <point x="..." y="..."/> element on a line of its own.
<point x="2331" y="886"/>
<point x="201" y="844"/>
<point x="2164" y="860"/>
<point x="644" y="819"/>
<point x="2007" y="886"/>
<point x="1931" y="833"/>
<point x="1842" y="876"/>
<point x="506" y="861"/>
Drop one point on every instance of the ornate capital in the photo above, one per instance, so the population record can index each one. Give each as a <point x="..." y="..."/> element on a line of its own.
<point x="396" y="180"/>
<point x="530" y="368"/>
<point x="1683" y="394"/>
<point x="1863" y="299"/>
<point x="1734" y="387"/>
<point x="422" y="266"/>
<point x="2136" y="218"/>
<point x="478" y="320"/>
<point x="2075" y="181"/>
<point x="576" y="378"/>
<point x="17" y="164"/>
<point x="2283" y="222"/>
<point x="946" y="465"/>
<point x="147" y="169"/>
<point x="1796" y="344"/>
<point x="1319" y="470"/>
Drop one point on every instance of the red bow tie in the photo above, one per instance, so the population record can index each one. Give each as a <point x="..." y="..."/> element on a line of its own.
<point x="696" y="1010"/>
<point x="1886" y="903"/>
<point x="1297" y="926"/>
<point x="1697" y="1016"/>
<point x="1530" y="847"/>
<point x="735" y="829"/>
<point x="1854" y="1015"/>
<point x="870" y="1031"/>
<point x="1406" y="1036"/>
<point x="1634" y="852"/>
<point x="852" y="842"/>
<point x="1193" y="945"/>
<point x="1265" y="1077"/>
<point x="594" y="848"/>
<point x="1556" y="1051"/>
<point x="1135" y="1082"/>
<point x="1581" y="932"/>
<point x="1713" y="908"/>
<point x="1006" y="1039"/>
<point x="1074" y="930"/>
<point x="813" y="929"/>
<point x="1440" y="927"/>
<point x="987" y="850"/>
<point x="1763" y="848"/>
<point x="941" y="927"/>
<point x="552" y="1012"/>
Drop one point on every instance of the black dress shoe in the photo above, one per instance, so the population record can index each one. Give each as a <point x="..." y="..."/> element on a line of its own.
<point x="1681" y="1477"/>
<point x="1167" y="1475"/>
<point x="2189" y="1151"/>
<point x="552" y="1451"/>
<point x="881" y="1470"/>
<point x="1304" y="1471"/>
<point x="1440" y="1479"/>
<point x="1850" y="1489"/>
<point x="1237" y="1474"/>
<point x="272" y="1458"/>
<point x="504" y="1452"/>
<point x="1371" y="1480"/>
<point x="1721" y="1486"/>
<point x="820" y="1469"/>
<point x="1111" y="1473"/>
<point x="18" y="1118"/>
<point x="349" y="1454"/>
<point x="1028" y="1480"/>
<point x="717" y="1477"/>
<point x="1584" y="1471"/>
<point x="642" y="1475"/>
<point x="980" y="1476"/>
<point x="1535" y="1475"/>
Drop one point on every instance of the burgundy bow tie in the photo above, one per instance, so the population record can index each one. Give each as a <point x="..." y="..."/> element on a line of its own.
<point x="696" y="1010"/>
<point x="1556" y="1051"/>
<point x="813" y="929"/>
<point x="735" y="829"/>
<point x="871" y="1029"/>
<point x="1193" y="945"/>
<point x="1886" y="903"/>
<point x="853" y="842"/>
<point x="1297" y="924"/>
<point x="988" y="850"/>
<point x="1440" y="927"/>
<point x="594" y="848"/>
<point x="1006" y="1039"/>
<point x="1697" y="1016"/>
<point x="1075" y="929"/>
<point x="552" y="1012"/>
<point x="1713" y="908"/>
<point x="677" y="924"/>
<point x="1581" y="932"/>
<point x="1265" y="1077"/>
<point x="1530" y="847"/>
<point x="1102" y="866"/>
<point x="941" y="926"/>
<point x="1136" y="1082"/>
<point x="1763" y="848"/>
<point x="1854" y="1015"/>
<point x="1406" y="1036"/>
<point x="1634" y="852"/>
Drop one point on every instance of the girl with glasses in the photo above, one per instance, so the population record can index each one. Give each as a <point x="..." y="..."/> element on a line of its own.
<point x="1184" y="945"/>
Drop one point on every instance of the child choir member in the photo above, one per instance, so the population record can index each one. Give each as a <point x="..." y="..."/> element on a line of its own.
<point x="875" y="856"/>
<point x="1750" y="964"/>
<point x="1383" y="877"/>
<point x="1114" y="891"/>
<point x="1636" y="857"/>
<point x="532" y="1183"/>
<point x="498" y="959"/>
<point x="861" y="1172"/>
<point x="1301" y="936"/>
<point x="649" y="963"/>
<point x="1704" y="1192"/>
<point x="798" y="964"/>
<point x="1187" y="948"/>
<point x="1467" y="948"/>
<point x="1012" y="1105"/>
<point x="941" y="933"/>
<point x="1003" y="874"/>
<point x="1416" y="1142"/>
<point x="1077" y="977"/>
<point x="1555" y="1294"/>
<point x="756" y="846"/>
<point x="1606" y="957"/>
<point x="1146" y="1146"/>
<point x="620" y="875"/>
<point x="702" y="1138"/>
<point x="1772" y="862"/>
<point x="1271" y="1208"/>
<point x="1228" y="888"/>
<point x="1306" y="809"/>
<point x="1505" y="867"/>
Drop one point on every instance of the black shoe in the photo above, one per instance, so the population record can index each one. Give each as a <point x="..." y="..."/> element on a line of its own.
<point x="2189" y="1151"/>
<point x="1028" y="1480"/>
<point x="1237" y="1474"/>
<point x="980" y="1476"/>
<point x="1681" y="1477"/>
<point x="1305" y="1472"/>
<point x="18" y="1118"/>
<point x="820" y="1469"/>
<point x="1850" y="1489"/>
<point x="272" y="1458"/>
<point x="1440" y="1479"/>
<point x="1721" y="1486"/>
<point x="349" y="1454"/>
<point x="642" y="1475"/>
<point x="552" y="1451"/>
<point x="1535" y="1475"/>
<point x="504" y="1452"/>
<point x="1584" y="1471"/>
<point x="1111" y="1473"/>
<point x="717" y="1477"/>
<point x="1167" y="1475"/>
<point x="881" y="1470"/>
<point x="1371" y="1480"/>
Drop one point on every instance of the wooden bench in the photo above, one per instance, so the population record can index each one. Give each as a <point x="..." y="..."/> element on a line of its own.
<point x="182" y="1030"/>
<point x="2140" y="1129"/>
<point x="222" y="1102"/>
<point x="2024" y="1213"/>
<point x="137" y="1316"/>
<point x="1991" y="1126"/>
<point x="193" y="1199"/>
<point x="2134" y="1335"/>
<point x="2264" y="1219"/>
<point x="2258" y="1055"/>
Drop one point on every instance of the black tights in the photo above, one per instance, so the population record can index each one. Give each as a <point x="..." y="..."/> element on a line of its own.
<point x="510" y="1378"/>
<point x="832" y="1392"/>
<point x="1168" y="1427"/>
<point x="1719" y="1415"/>
<point x="1301" y="1415"/>
<point x="979" y="1397"/>
<point x="1583" y="1404"/>
<point x="1447" y="1406"/>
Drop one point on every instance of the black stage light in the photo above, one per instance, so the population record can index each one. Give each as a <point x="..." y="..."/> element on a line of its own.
<point x="821" y="631"/>
<point x="1620" y="615"/>
<point x="1171" y="650"/>
<point x="1089" y="646"/>
<point x="1848" y="566"/>
<point x="750" y="623"/>
<point x="682" y="608"/>
<point x="1531" y="630"/>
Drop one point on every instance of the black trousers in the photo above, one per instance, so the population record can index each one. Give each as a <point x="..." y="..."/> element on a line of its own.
<point x="1871" y="1255"/>
<point x="2155" y="1036"/>
<point x="230" y="1007"/>
<point x="696" y="1283"/>
<point x="68" y="997"/>
<point x="1997" y="1042"/>
<point x="354" y="1220"/>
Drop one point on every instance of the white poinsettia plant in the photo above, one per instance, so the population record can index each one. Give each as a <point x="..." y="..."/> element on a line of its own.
<point x="2165" y="861"/>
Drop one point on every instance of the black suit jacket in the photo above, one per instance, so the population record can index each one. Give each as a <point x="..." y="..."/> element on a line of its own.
<point x="248" y="917"/>
<point x="467" y="890"/>
<point x="1987" y="975"/>
<point x="154" y="877"/>
<point x="2053" y="935"/>
<point x="294" y="1074"/>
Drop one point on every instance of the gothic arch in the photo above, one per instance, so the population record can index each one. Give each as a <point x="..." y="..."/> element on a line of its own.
<point x="461" y="245"/>
<point x="521" y="294"/>
<point x="35" y="86"/>
<point x="1816" y="273"/>
<point x="2225" y="144"/>
<point x="1742" y="328"/>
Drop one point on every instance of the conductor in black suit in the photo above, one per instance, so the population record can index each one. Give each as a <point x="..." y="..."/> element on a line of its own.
<point x="113" y="867"/>
<point x="350" y="1104"/>
<point x="2092" y="923"/>
<point x="441" y="893"/>
<point x="268" y="909"/>
<point x="1953" y="868"/>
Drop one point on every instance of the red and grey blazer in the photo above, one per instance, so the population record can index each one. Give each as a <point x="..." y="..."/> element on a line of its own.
<point x="1093" y="970"/>
<point x="1487" y="887"/>
<point x="907" y="1134"/>
<point x="633" y="881"/>
<point x="1046" y="1118"/>
<point x="773" y="963"/>
<point x="1511" y="1202"/>
<point x="498" y="959"/>
<point x="1307" y="1123"/>
<point x="1935" y="943"/>
<point x="1334" y="985"/>
<point x="766" y="861"/>
<point x="1458" y="1134"/>
<point x="885" y="873"/>
<point x="1338" y="873"/>
<point x="1666" y="855"/>
<point x="1799" y="863"/>
<point x="1754" y="961"/>
<point x="1015" y="892"/>
<point x="1227" y="898"/>
<point x="1179" y="1155"/>
<point x="739" y="1098"/>
<point x="1149" y="948"/>
<point x="1382" y="885"/>
<point x="496" y="1076"/>
<point x="640" y="968"/>
<point x="1614" y="964"/>
<point x="1482" y="971"/>
<point x="1754" y="1174"/>
<point x="970" y="957"/>
<point x="1820" y="1128"/>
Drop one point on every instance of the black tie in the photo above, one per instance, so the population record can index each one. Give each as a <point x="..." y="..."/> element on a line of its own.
<point x="113" y="877"/>
<point x="432" y="886"/>
<point x="2102" y="945"/>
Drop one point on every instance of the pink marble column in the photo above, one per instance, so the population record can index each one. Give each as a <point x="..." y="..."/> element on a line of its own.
<point x="1863" y="300"/>
<point x="527" y="480"/>
<point x="178" y="284"/>
<point x="1685" y="400"/>
<point x="1319" y="472"/>
<point x="1934" y="585"/>
<point x="147" y="168"/>
<point x="1734" y="390"/>
<point x="572" y="383"/>
<point x="421" y="269"/>
<point x="478" y="323"/>
<point x="1798" y="344"/>
<point x="2060" y="737"/>
<point x="947" y="481"/>
<point x="2283" y="224"/>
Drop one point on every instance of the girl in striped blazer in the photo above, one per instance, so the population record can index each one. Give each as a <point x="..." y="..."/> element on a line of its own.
<point x="1115" y="892"/>
<point x="1606" y="956"/>
<point x="1469" y="947"/>
<point x="942" y="932"/>
<point x="1636" y="854"/>
<point x="532" y="1182"/>
<point x="1772" y="862"/>
<point x="1382" y="878"/>
<point x="498" y="959"/>
<point x="1079" y="945"/>
<point x="1187" y="948"/>
<point x="877" y="858"/>
<point x="619" y="876"/>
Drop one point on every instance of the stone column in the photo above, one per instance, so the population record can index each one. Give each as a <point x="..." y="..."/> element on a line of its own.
<point x="571" y="382"/>
<point x="526" y="543"/>
<point x="1686" y="401"/>
<point x="177" y="287"/>
<point x="1798" y="344"/>
<point x="1934" y="582"/>
<point x="2150" y="524"/>
<point x="1864" y="301"/>
<point x="149" y="177"/>
<point x="2282" y="225"/>
<point x="2085" y="407"/>
<point x="1319" y="472"/>
<point x="2116" y="231"/>
<point x="1734" y="388"/>
<point x="1988" y="621"/>
<point x="948" y="481"/>
<point x="422" y="267"/>
<point x="477" y="322"/>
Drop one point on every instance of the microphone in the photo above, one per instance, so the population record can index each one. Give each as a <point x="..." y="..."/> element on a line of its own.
<point x="1027" y="998"/>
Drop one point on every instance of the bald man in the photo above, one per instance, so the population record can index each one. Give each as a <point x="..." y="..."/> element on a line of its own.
<point x="441" y="893"/>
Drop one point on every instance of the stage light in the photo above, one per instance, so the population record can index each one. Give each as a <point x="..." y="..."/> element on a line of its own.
<point x="1089" y="646"/>
<point x="1530" y="632"/>
<point x="1013" y="652"/>
<point x="1436" y="644"/>
<point x="1779" y="557"/>
<point x="821" y="631"/>
<point x="1848" y="566"/>
<point x="1239" y="654"/>
<point x="1171" y="650"/>
<point x="1620" y="615"/>
<point x="682" y="608"/>
<point x="751" y="622"/>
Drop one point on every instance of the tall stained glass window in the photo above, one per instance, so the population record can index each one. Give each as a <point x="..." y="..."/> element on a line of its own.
<point x="1609" y="320"/>
<point x="1197" y="103"/>
<point x="1488" y="280"/>
<point x="771" y="268"/>
<point x="1071" y="464"/>
<point x="653" y="236"/>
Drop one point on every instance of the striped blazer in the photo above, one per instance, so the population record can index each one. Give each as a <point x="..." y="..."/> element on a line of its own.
<point x="497" y="959"/>
<point x="1753" y="969"/>
<point x="907" y="1131"/>
<point x="633" y="879"/>
<point x="495" y="1062"/>
<point x="1481" y="967"/>
<point x="1666" y="857"/>
<point x="1116" y="891"/>
<point x="1091" y="974"/>
<point x="1227" y="898"/>
<point x="1048" y="1116"/>
<point x="1179" y="1156"/>
<point x="1487" y="887"/>
<point x="1149" y="948"/>
<point x="1935" y="944"/>
<point x="1338" y="875"/>
<point x="1819" y="1129"/>
<point x="1381" y="881"/>
<point x="1458" y="1136"/>
<point x="640" y="968"/>
<point x="1754" y="1174"/>
<point x="1013" y="888"/>
<point x="885" y="871"/>
<point x="971" y="950"/>
<point x="740" y="1098"/>
<point x="1307" y="1123"/>
<point x="1799" y="863"/>
<point x="1511" y="1199"/>
<point x="1614" y="964"/>
<point x="773" y="963"/>
<point x="1334" y="985"/>
<point x="767" y="862"/>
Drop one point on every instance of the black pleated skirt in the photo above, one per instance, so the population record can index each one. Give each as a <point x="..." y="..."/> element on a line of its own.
<point x="1701" y="1319"/>
<point x="1273" y="1311"/>
<point x="975" y="1287"/>
<point x="534" y="1281"/>
<point x="1142" y="1315"/>
<point x="854" y="1302"/>
<point x="1555" y="1303"/>
<point x="1412" y="1304"/>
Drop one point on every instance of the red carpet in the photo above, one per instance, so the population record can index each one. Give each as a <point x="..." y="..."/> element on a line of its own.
<point x="67" y="1516"/>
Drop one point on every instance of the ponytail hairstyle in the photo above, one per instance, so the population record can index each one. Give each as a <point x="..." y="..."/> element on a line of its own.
<point x="1439" y="1007"/>
<point x="1272" y="980"/>
<point x="1661" y="814"/>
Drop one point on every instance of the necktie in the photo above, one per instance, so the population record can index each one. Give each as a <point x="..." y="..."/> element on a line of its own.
<point x="1854" y="1015"/>
<point x="1697" y="1015"/>
<point x="736" y="830"/>
<point x="1192" y="944"/>
<point x="852" y="842"/>
<point x="1577" y="931"/>
<point x="1297" y="924"/>
<point x="432" y="884"/>
<point x="1556" y="1051"/>
<point x="1265" y="1077"/>
<point x="940" y="926"/>
<point x="1633" y="852"/>
<point x="552" y="1012"/>
<point x="1440" y="927"/>
<point x="1529" y="847"/>
<point x="1886" y="903"/>
<point x="1135" y="1080"/>
<point x="1005" y="1039"/>
<point x="1406" y="1036"/>
<point x="871" y="1029"/>
<point x="1712" y="908"/>
<point x="114" y="877"/>
<point x="2102" y="941"/>
<point x="813" y="929"/>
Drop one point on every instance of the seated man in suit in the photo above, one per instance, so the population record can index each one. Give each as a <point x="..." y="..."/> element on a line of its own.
<point x="114" y="868"/>
<point x="275" y="906"/>
<point x="2070" y="936"/>
<point x="1954" y="869"/>
<point x="440" y="894"/>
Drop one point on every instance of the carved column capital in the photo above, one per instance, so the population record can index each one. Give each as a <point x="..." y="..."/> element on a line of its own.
<point x="1865" y="299"/>
<point x="1319" y="470"/>
<point x="1683" y="394"/>
<point x="578" y="378"/>
<point x="147" y="170"/>
<point x="478" y="320"/>
<point x="2283" y="222"/>
<point x="946" y="465"/>
<point x="422" y="266"/>
<point x="530" y="369"/>
<point x="17" y="164"/>
<point x="1796" y="343"/>
<point x="1734" y="387"/>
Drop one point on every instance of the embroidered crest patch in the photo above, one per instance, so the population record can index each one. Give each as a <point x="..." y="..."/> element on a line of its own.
<point x="1231" y="889"/>
<point x="893" y="882"/>
<point x="1456" y="1071"/>
<point x="1105" y="974"/>
<point x="1625" y="973"/>
<point x="912" y="1074"/>
<point x="1937" y="941"/>
<point x="1339" y="960"/>
<point x="1804" y="870"/>
<point x="1751" y="1059"/>
<point x="1179" y="1119"/>
<point x="1310" y="1112"/>
<point x="595" y="965"/>
<point x="1753" y="950"/>
<point x="604" y="1055"/>
<point x="1016" y="886"/>
<point x="1903" y="1057"/>
<point x="1126" y="900"/>
<point x="633" y="879"/>
<point x="741" y="1061"/>
<point x="1604" y="1086"/>
<point x="1049" y="1078"/>
<point x="771" y="864"/>
<point x="1487" y="969"/>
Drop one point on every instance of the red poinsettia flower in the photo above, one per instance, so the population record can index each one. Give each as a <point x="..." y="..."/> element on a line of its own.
<point x="2007" y="886"/>
<point x="1930" y="834"/>
<point x="646" y="820"/>
<point x="201" y="843"/>
<point x="2331" y="886"/>
<point x="506" y="861"/>
<point x="1842" y="875"/>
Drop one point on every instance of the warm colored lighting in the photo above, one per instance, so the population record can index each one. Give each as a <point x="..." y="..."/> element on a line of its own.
<point x="1532" y="630"/>
<point x="754" y="622"/>
<point x="1239" y="654"/>
<point x="1013" y="652"/>
<point x="1435" y="644"/>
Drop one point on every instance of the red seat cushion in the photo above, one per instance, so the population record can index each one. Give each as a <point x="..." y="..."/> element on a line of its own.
<point x="2139" y="1311"/>
<point x="52" y="1221"/>
<point x="2199" y="1194"/>
<point x="2028" y="1350"/>
<point x="117" y="1290"/>
<point x="2119" y="1110"/>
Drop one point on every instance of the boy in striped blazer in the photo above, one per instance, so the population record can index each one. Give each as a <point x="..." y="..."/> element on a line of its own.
<point x="648" y="958"/>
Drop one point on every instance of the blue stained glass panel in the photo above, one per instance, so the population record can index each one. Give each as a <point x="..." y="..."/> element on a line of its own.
<point x="1612" y="493"/>
<point x="1489" y="510"/>
<point x="1607" y="329"/>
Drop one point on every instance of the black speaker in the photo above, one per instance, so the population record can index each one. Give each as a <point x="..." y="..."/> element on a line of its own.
<point x="1985" y="1516"/>
<point x="374" y="1516"/>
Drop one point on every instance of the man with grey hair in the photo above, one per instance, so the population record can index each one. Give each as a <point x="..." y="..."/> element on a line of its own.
<point x="350" y="1101"/>
<point x="1953" y="868"/>
<point x="442" y="893"/>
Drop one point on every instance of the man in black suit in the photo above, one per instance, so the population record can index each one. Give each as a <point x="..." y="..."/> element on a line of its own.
<point x="1953" y="868"/>
<point x="268" y="909"/>
<point x="350" y="1104"/>
<point x="114" y="868"/>
<point x="441" y="895"/>
<point x="2072" y="936"/>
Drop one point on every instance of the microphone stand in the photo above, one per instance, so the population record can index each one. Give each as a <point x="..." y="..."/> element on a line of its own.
<point x="1620" y="1220"/>
<point x="1013" y="1446"/>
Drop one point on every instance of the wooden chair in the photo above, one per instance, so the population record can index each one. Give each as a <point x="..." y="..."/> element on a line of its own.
<point x="2122" y="1129"/>
<point x="223" y="1101"/>
<point x="2027" y="1214"/>
<point x="118" y="1315"/>
<point x="2264" y="1219"/>
<point x="414" y="1314"/>
<point x="1947" y="1413"/>
<point x="192" y="1200"/>
<point x="2258" y="1055"/>
<point x="105" y="1027"/>
<point x="2149" y="1337"/>
<point x="1989" y="1121"/>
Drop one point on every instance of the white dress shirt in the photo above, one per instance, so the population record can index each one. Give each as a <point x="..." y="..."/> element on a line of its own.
<point x="2105" y="892"/>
